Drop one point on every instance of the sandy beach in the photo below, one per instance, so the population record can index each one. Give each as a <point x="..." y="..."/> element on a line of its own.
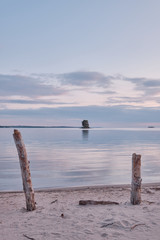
<point x="59" y="216"/>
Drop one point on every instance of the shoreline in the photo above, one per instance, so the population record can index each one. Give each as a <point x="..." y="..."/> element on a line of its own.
<point x="78" y="188"/>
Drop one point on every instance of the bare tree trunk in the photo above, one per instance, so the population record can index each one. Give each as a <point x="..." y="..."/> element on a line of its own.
<point x="136" y="179"/>
<point x="25" y="171"/>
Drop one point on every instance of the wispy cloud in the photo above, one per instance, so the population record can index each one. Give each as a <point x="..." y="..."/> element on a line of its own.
<point x="127" y="101"/>
<point x="66" y="99"/>
<point x="104" y="92"/>
<point x="26" y="86"/>
<point x="75" y="89"/>
<point x="95" y="114"/>
<point x="85" y="79"/>
<point x="152" y="83"/>
<point x="149" y="87"/>
<point x="34" y="102"/>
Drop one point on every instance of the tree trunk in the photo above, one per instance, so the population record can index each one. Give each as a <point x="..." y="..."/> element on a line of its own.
<point x="25" y="171"/>
<point x="136" y="179"/>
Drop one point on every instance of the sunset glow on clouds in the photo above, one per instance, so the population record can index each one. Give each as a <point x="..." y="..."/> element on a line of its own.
<point x="77" y="89"/>
<point x="63" y="62"/>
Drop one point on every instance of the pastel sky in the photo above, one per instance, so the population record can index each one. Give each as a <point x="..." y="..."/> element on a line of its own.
<point x="62" y="61"/>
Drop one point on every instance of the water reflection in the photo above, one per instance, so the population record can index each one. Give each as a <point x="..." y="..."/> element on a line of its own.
<point x="77" y="157"/>
<point x="85" y="134"/>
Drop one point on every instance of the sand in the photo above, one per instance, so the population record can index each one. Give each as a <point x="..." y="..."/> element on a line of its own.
<point x="59" y="215"/>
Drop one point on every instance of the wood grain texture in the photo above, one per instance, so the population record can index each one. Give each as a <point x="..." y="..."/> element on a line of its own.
<point x="136" y="179"/>
<point x="25" y="171"/>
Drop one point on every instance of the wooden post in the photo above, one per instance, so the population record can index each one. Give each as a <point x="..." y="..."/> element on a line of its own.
<point x="136" y="179"/>
<point x="25" y="171"/>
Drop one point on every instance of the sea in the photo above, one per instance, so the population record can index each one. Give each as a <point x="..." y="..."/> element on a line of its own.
<point x="72" y="157"/>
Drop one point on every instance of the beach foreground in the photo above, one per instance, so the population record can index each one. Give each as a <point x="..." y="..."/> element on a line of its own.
<point x="59" y="215"/>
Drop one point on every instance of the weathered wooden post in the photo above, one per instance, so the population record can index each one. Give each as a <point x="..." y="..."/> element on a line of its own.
<point x="25" y="171"/>
<point x="136" y="179"/>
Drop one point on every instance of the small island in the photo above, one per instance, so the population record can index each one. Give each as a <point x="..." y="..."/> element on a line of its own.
<point x="85" y="124"/>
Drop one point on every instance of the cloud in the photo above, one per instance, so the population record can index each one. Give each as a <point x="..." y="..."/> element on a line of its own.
<point x="149" y="87"/>
<point x="95" y="115"/>
<point x="151" y="83"/>
<point x="67" y="99"/>
<point x="104" y="92"/>
<point x="13" y="85"/>
<point x="79" y="88"/>
<point x="32" y="102"/>
<point x="36" y="90"/>
<point x="85" y="79"/>
<point x="124" y="100"/>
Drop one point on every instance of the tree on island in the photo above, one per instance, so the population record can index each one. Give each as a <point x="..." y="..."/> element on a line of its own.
<point x="85" y="124"/>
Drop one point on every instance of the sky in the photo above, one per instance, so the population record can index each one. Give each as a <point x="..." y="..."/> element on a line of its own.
<point x="62" y="61"/>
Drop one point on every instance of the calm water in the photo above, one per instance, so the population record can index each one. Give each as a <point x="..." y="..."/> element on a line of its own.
<point x="76" y="157"/>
